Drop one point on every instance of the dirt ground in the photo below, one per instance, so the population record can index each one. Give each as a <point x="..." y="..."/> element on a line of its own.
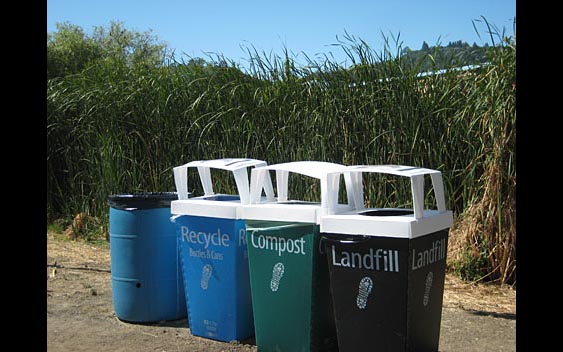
<point x="80" y="317"/>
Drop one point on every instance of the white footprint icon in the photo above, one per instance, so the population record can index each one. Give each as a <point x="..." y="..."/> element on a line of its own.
<point x="206" y="275"/>
<point x="427" y="287"/>
<point x="364" y="289"/>
<point x="277" y="273"/>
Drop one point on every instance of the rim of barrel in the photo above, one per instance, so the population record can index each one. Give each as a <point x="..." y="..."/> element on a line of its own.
<point x="142" y="200"/>
<point x="145" y="195"/>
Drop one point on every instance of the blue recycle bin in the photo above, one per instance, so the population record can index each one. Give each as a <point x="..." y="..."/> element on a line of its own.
<point x="146" y="277"/>
<point x="213" y="253"/>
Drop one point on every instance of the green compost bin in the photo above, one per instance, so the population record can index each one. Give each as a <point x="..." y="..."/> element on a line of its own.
<point x="289" y="285"/>
<point x="289" y="277"/>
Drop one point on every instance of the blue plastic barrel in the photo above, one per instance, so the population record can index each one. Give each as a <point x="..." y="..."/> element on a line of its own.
<point x="146" y="277"/>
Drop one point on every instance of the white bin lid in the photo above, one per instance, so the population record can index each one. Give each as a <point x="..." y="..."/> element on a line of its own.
<point x="284" y="209"/>
<point x="206" y="205"/>
<point x="420" y="222"/>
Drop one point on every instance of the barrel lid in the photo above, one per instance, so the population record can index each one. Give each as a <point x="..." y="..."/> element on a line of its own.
<point x="143" y="200"/>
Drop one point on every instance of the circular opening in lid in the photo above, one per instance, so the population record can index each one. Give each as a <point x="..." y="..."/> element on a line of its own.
<point x="222" y="197"/>
<point x="386" y="212"/>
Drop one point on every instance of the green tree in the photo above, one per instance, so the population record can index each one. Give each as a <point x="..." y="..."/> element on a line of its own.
<point x="425" y="46"/>
<point x="134" y="48"/>
<point x="69" y="50"/>
<point x="405" y="50"/>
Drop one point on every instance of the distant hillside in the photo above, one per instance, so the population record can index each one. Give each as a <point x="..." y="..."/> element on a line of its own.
<point x="454" y="54"/>
<point x="372" y="66"/>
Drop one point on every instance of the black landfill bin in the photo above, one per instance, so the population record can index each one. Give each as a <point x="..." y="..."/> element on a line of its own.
<point x="387" y="268"/>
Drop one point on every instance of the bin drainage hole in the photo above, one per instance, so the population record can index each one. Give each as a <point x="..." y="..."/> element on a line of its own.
<point x="428" y="285"/>
<point x="138" y="285"/>
<point x="277" y="273"/>
<point x="206" y="275"/>
<point x="364" y="289"/>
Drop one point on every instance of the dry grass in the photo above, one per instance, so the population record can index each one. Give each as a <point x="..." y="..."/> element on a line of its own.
<point x="482" y="246"/>
<point x="75" y="253"/>
<point x="483" y="297"/>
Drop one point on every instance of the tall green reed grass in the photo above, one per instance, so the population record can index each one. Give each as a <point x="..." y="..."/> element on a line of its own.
<point x="117" y="128"/>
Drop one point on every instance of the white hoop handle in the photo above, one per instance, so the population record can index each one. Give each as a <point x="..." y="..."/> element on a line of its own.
<point x="416" y="175"/>
<point x="238" y="166"/>
<point x="327" y="173"/>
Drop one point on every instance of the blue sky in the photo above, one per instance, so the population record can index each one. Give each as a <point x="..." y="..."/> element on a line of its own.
<point x="222" y="26"/>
